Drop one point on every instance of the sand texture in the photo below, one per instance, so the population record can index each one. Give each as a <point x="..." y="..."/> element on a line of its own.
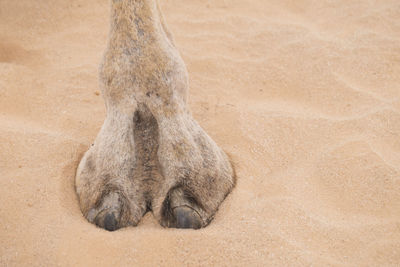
<point x="304" y="95"/>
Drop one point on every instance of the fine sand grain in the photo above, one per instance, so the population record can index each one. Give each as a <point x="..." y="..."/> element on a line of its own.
<point x="304" y="95"/>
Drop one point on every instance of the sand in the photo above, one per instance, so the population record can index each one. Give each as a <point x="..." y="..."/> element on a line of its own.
<point x="304" y="95"/>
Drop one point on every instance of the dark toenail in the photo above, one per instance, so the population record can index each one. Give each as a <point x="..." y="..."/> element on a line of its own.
<point x="110" y="223"/>
<point x="187" y="218"/>
<point x="182" y="219"/>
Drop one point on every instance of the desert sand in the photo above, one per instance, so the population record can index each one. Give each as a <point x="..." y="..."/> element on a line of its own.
<point x="303" y="95"/>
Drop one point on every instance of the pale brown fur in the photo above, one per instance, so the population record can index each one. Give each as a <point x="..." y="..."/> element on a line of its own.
<point x="150" y="153"/>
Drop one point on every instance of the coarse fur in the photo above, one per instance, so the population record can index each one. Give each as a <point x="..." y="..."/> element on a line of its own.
<point x="150" y="154"/>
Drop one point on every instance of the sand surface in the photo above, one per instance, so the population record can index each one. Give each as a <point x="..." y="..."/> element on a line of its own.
<point x="304" y="95"/>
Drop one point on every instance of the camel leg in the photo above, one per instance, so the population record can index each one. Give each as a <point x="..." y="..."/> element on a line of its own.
<point x="182" y="172"/>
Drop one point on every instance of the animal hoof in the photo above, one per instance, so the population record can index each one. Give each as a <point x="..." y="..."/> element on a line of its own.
<point x="186" y="218"/>
<point x="108" y="220"/>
